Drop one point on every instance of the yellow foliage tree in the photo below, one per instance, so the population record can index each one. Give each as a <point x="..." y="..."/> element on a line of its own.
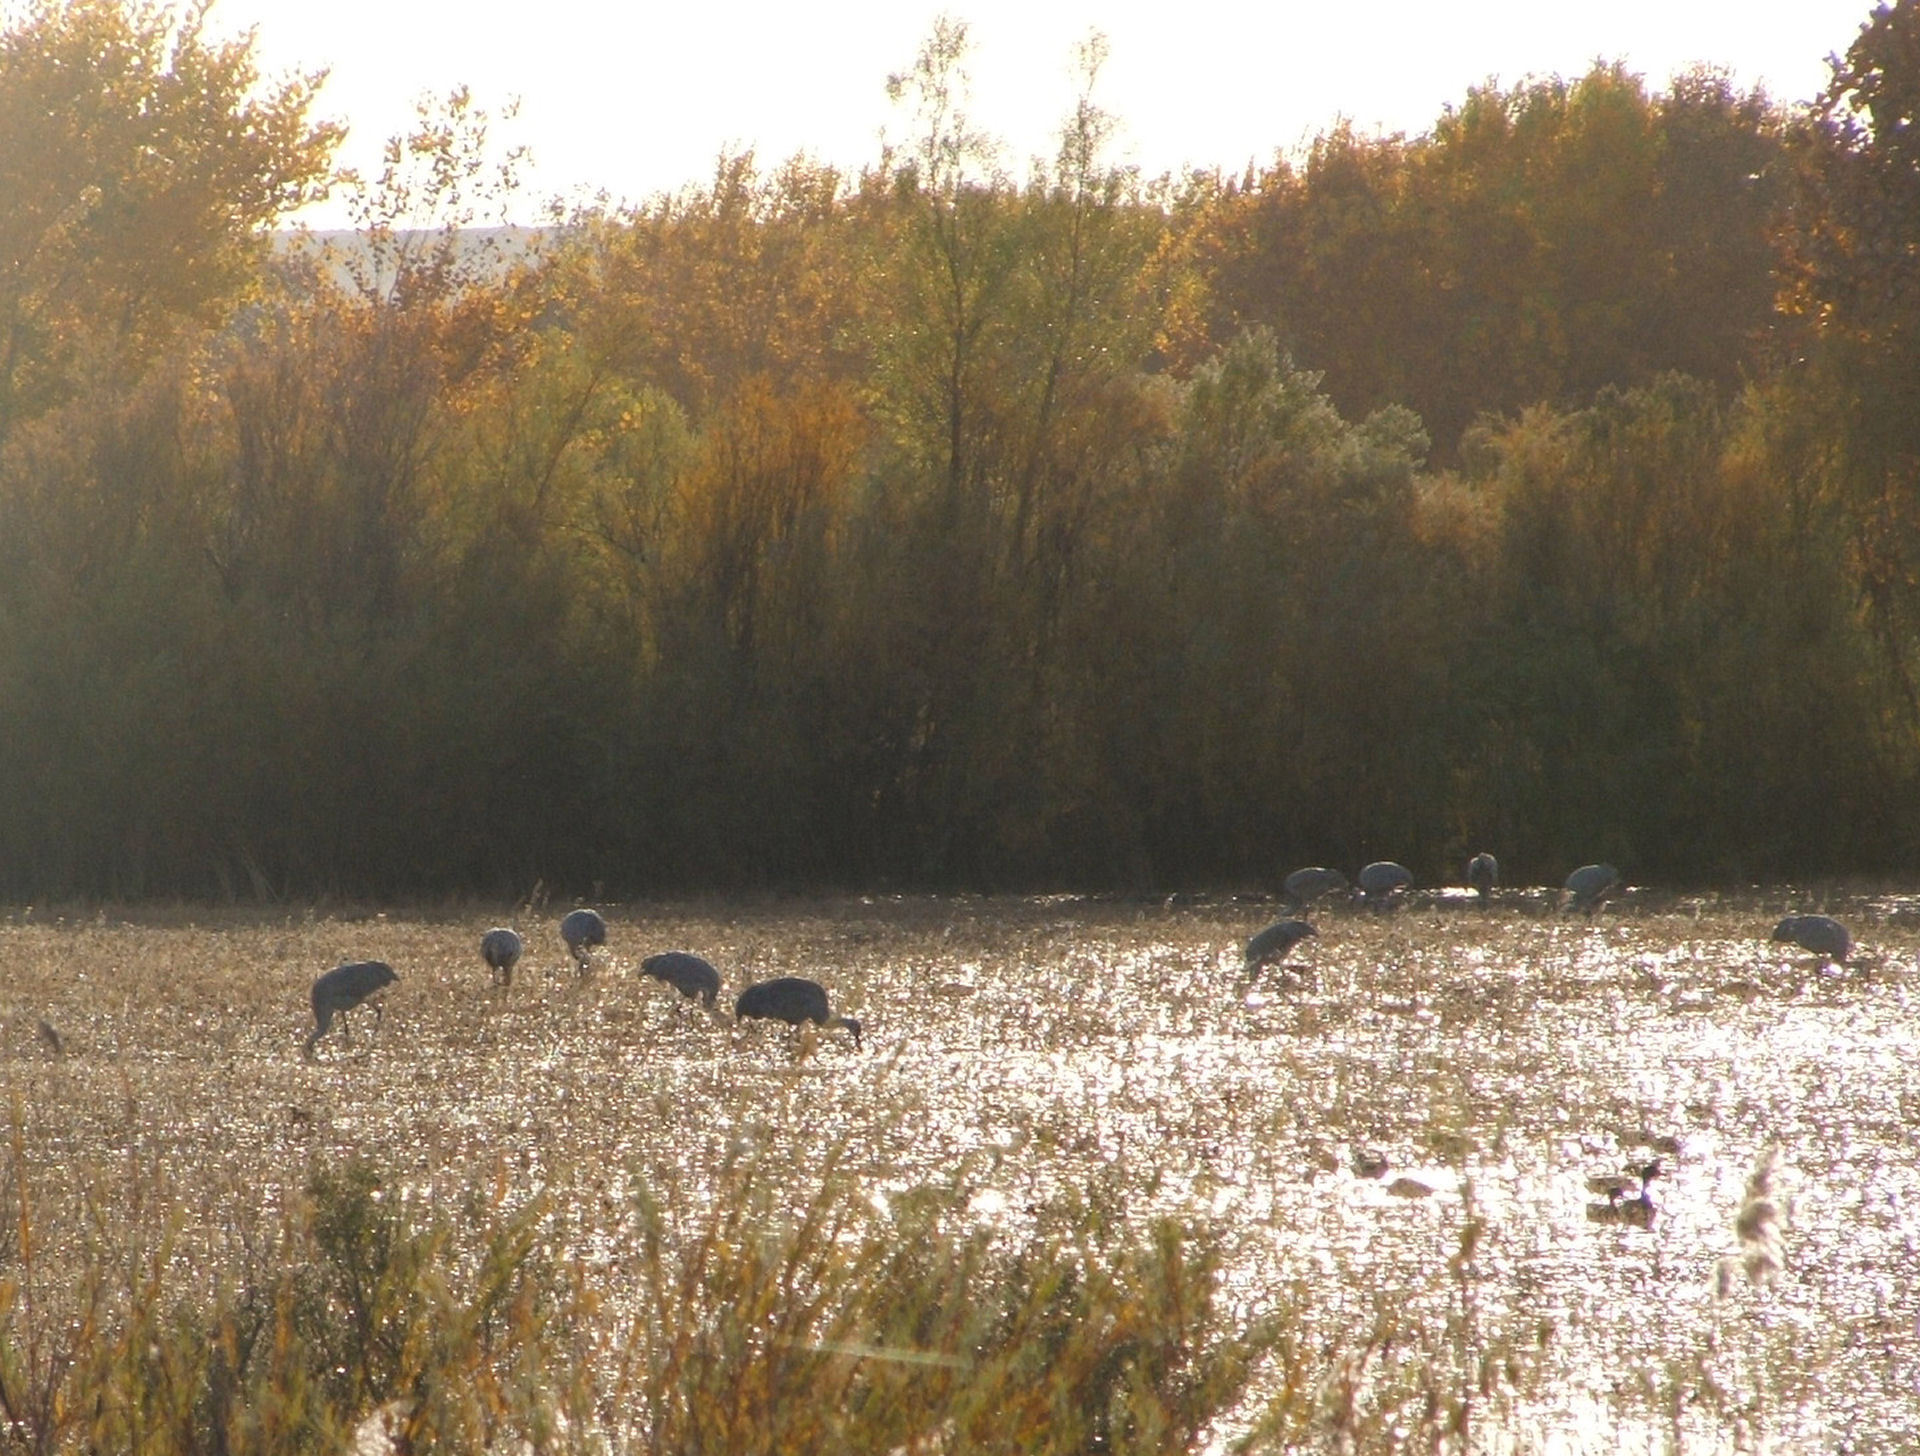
<point x="140" y="160"/>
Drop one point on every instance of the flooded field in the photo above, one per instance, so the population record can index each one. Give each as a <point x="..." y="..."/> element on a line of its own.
<point x="1408" y="1127"/>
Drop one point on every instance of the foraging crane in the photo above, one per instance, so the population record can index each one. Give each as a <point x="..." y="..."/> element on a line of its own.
<point x="582" y="930"/>
<point x="500" y="948"/>
<point x="1383" y="882"/>
<point x="1821" y="934"/>
<point x="687" y="973"/>
<point x="343" y="988"/>
<point x="1305" y="886"/>
<point x="1483" y="873"/>
<point x="1270" y="946"/>
<point x="1590" y="884"/>
<point x="794" y="1000"/>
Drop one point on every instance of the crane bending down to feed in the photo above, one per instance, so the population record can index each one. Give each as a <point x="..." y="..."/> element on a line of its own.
<point x="343" y="988"/>
<point x="1483" y="873"/>
<point x="500" y="948"/>
<point x="686" y="972"/>
<point x="1821" y="934"/>
<point x="1270" y="946"/>
<point x="1383" y="882"/>
<point x="794" y="1000"/>
<point x="1590" y="884"/>
<point x="1305" y="886"/>
<point x="583" y="930"/>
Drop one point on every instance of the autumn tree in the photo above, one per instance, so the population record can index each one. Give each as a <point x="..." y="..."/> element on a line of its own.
<point x="723" y="288"/>
<point x="1853" y="279"/>
<point x="1087" y="310"/>
<point x="1666" y="640"/>
<point x="1538" y="243"/>
<point x="140" y="159"/>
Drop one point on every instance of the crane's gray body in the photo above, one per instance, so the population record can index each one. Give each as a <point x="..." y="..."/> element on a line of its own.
<point x="1383" y="882"/>
<point x="501" y="949"/>
<point x="1483" y="874"/>
<point x="794" y="1000"/>
<point x="689" y="974"/>
<point x="1271" y="945"/>
<point x="1590" y="884"/>
<point x="1305" y="886"/>
<point x="343" y="988"/>
<point x="1821" y="934"/>
<point x="583" y="930"/>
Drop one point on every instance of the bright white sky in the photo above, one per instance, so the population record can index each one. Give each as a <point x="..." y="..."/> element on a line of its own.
<point x="638" y="98"/>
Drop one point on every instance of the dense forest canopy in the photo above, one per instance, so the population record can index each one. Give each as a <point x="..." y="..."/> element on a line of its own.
<point x="1547" y="483"/>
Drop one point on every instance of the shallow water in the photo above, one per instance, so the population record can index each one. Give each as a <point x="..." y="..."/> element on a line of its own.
<point x="1498" y="1058"/>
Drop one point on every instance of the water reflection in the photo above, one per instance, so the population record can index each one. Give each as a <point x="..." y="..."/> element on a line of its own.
<point x="1501" y="1060"/>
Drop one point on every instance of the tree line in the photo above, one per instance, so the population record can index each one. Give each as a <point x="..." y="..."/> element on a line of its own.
<point x="1543" y="483"/>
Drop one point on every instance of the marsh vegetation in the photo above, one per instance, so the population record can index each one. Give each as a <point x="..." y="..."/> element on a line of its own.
<point x="1085" y="1189"/>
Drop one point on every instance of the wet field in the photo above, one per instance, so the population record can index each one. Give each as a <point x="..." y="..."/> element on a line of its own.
<point x="1404" y="1125"/>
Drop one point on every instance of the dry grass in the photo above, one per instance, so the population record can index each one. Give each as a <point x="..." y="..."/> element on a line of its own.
<point x="1084" y="1190"/>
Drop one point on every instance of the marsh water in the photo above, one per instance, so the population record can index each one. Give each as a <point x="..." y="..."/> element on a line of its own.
<point x="1341" y="1123"/>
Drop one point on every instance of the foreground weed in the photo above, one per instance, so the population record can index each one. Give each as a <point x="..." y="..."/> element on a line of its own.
<point x="772" y="1303"/>
<point x="838" y="1325"/>
<point x="353" y="1305"/>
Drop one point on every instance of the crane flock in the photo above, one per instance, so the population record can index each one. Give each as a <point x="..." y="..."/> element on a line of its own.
<point x="1385" y="885"/>
<point x="800" y="1002"/>
<point x="804" y="1005"/>
<point x="795" y="1000"/>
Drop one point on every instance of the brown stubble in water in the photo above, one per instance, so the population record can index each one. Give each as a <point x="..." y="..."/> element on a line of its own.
<point x="1072" y="1047"/>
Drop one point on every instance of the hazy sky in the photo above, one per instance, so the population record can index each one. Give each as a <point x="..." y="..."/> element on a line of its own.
<point x="634" y="99"/>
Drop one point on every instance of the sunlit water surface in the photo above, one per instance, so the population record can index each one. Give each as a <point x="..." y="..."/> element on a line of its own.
<point x="1499" y="1059"/>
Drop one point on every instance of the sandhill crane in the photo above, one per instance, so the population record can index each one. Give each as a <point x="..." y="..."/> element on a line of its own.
<point x="1590" y="884"/>
<point x="1305" y="886"/>
<point x="1383" y="882"/>
<point x="500" y="948"/>
<point x="794" y="1000"/>
<point x="1270" y="946"/>
<point x="343" y="988"/>
<point x="582" y="930"/>
<point x="1483" y="873"/>
<point x="1821" y="934"/>
<point x="687" y="973"/>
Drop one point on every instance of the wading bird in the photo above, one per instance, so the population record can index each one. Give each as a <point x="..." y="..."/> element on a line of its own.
<point x="1305" y="886"/>
<point x="582" y="930"/>
<point x="1270" y="946"/>
<point x="1383" y="882"/>
<point x="1821" y="934"/>
<point x="343" y="988"/>
<point x="1590" y="884"/>
<point x="1483" y="873"/>
<point x="687" y="973"/>
<point x="794" y="1000"/>
<point x="1616" y="1186"/>
<point x="500" y="948"/>
<point x="1637" y="1211"/>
